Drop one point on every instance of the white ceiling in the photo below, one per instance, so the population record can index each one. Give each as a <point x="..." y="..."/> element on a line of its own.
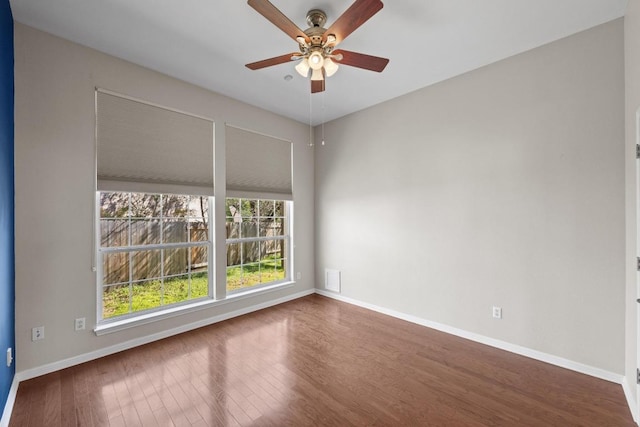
<point x="207" y="42"/>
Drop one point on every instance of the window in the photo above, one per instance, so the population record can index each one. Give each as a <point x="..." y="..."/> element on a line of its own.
<point x="154" y="211"/>
<point x="155" y="251"/>
<point x="154" y="170"/>
<point x="258" y="240"/>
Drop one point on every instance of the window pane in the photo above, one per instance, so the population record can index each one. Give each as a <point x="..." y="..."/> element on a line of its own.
<point x="280" y="273"/>
<point x="176" y="261"/>
<point x="146" y="265"/>
<point x="234" y="278"/>
<point x="234" y="256"/>
<point x="199" y="284"/>
<point x="199" y="260"/>
<point x="273" y="260"/>
<point x="189" y="286"/>
<point x="249" y="228"/>
<point x="146" y="294"/>
<point x="250" y="252"/>
<point x="279" y="208"/>
<point x="251" y="274"/>
<point x="115" y="301"/>
<point x="232" y="208"/>
<point x="114" y="205"/>
<point x="278" y="227"/>
<point x="271" y="227"/>
<point x="263" y="226"/>
<point x="198" y="231"/>
<point x="145" y="232"/>
<point x="174" y="231"/>
<point x="272" y="249"/>
<point x="176" y="289"/>
<point x="266" y="208"/>
<point x="145" y="205"/>
<point x="115" y="268"/>
<point x="268" y="272"/>
<point x="233" y="229"/>
<point x="114" y="232"/>
<point x="249" y="208"/>
<point x="199" y="208"/>
<point x="175" y="206"/>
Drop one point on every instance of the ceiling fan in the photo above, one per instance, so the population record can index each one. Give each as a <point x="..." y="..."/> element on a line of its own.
<point x="317" y="56"/>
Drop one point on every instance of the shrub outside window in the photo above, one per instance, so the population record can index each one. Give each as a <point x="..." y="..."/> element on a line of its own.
<point x="154" y="251"/>
<point x="258" y="240"/>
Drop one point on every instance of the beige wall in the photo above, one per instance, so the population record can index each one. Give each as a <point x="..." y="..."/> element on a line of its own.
<point x="632" y="105"/>
<point x="503" y="186"/>
<point x="54" y="163"/>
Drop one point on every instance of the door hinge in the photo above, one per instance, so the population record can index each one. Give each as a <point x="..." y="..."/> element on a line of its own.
<point x="637" y="376"/>
<point x="638" y="263"/>
<point x="637" y="151"/>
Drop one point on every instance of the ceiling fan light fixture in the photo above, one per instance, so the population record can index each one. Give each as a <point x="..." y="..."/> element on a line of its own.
<point x="316" y="61"/>
<point x="303" y="68"/>
<point x="317" y="75"/>
<point x="330" y="67"/>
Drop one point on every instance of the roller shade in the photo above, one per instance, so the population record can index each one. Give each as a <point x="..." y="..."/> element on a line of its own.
<point x="258" y="166"/>
<point x="146" y="148"/>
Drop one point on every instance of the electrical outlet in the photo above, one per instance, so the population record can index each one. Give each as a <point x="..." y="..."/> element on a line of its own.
<point x="80" y="323"/>
<point x="9" y="357"/>
<point x="298" y="275"/>
<point x="497" y="312"/>
<point x="37" y="333"/>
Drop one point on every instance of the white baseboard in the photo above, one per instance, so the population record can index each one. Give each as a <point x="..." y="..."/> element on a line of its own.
<point x="503" y="345"/>
<point x="11" y="400"/>
<point x="86" y="357"/>
<point x="631" y="402"/>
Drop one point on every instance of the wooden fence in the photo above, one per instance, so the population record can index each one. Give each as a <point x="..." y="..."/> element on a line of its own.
<point x="253" y="251"/>
<point x="147" y="264"/>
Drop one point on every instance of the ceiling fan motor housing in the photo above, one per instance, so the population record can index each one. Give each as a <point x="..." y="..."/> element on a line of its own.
<point x="316" y="18"/>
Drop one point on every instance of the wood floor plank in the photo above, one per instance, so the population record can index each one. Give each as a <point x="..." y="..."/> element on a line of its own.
<point x="315" y="362"/>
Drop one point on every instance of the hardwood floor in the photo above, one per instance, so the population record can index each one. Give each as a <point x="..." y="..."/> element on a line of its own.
<point x="316" y="361"/>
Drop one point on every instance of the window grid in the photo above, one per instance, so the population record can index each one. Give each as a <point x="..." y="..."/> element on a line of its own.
<point x="141" y="254"/>
<point x="254" y="219"/>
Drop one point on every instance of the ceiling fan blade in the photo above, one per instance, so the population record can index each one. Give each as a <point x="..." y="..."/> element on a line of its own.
<point x="360" y="60"/>
<point x="272" y="61"/>
<point x="317" y="86"/>
<point x="357" y="14"/>
<point x="277" y="18"/>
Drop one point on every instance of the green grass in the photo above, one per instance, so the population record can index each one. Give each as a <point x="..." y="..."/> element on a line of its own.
<point x="245" y="276"/>
<point x="148" y="295"/>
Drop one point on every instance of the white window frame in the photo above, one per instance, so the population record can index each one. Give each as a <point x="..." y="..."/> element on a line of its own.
<point x="168" y="308"/>
<point x="286" y="237"/>
<point x="121" y="323"/>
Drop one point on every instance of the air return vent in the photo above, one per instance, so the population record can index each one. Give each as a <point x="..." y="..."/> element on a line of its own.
<point x="332" y="280"/>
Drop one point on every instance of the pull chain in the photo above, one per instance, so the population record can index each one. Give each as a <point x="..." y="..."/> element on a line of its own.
<point x="310" y="126"/>
<point x="322" y="118"/>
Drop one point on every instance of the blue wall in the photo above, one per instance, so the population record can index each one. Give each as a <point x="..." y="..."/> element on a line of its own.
<point x="7" y="259"/>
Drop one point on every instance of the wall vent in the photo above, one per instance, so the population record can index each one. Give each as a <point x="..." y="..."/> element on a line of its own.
<point x="332" y="280"/>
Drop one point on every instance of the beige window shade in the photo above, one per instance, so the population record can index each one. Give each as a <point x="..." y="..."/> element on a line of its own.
<point x="146" y="148"/>
<point x="258" y="166"/>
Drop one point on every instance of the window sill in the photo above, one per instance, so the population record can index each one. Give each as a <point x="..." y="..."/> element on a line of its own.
<point x="143" y="319"/>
